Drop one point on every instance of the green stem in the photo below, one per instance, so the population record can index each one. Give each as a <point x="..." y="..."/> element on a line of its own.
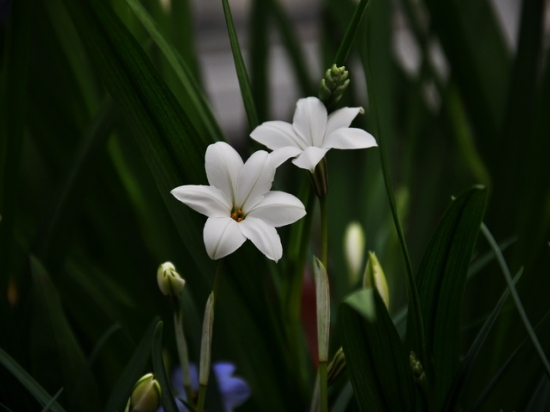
<point x="323" y="386"/>
<point x="202" y="387"/>
<point x="182" y="351"/>
<point x="217" y="278"/>
<point x="324" y="233"/>
<point x="202" y="398"/>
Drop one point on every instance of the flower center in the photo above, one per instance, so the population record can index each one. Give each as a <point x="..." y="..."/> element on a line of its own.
<point x="238" y="215"/>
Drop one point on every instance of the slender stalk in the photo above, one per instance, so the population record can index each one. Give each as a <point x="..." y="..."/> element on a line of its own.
<point x="323" y="385"/>
<point x="182" y="352"/>
<point x="202" y="398"/>
<point x="207" y="327"/>
<point x="324" y="233"/>
<point x="217" y="278"/>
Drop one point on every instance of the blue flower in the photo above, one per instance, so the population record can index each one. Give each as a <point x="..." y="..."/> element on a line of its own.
<point x="234" y="391"/>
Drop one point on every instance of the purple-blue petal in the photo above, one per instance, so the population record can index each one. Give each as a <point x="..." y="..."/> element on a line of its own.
<point x="234" y="391"/>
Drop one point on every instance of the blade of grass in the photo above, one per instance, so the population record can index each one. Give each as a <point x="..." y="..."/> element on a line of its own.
<point x="28" y="382"/>
<point x="168" y="141"/>
<point x="132" y="372"/>
<point x="244" y="82"/>
<point x="351" y="33"/>
<point x="259" y="24"/>
<point x="501" y="371"/>
<point x="53" y="344"/>
<point x="515" y="296"/>
<point x="53" y="401"/>
<point x="466" y="366"/>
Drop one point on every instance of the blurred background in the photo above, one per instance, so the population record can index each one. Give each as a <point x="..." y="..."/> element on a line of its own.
<point x="99" y="121"/>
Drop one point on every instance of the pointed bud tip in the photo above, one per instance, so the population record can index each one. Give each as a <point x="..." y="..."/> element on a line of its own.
<point x="145" y="395"/>
<point x="374" y="276"/>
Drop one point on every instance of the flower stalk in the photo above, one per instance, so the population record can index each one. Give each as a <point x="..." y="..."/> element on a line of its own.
<point x="206" y="345"/>
<point x="323" y="327"/>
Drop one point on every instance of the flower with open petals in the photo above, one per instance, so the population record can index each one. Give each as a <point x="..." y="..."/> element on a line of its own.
<point x="312" y="134"/>
<point x="239" y="203"/>
<point x="234" y="391"/>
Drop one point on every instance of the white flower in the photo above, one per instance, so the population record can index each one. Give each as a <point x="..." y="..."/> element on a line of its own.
<point x="312" y="134"/>
<point x="239" y="204"/>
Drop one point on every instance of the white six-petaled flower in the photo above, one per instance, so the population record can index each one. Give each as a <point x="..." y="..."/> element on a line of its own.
<point x="312" y="134"/>
<point x="239" y="204"/>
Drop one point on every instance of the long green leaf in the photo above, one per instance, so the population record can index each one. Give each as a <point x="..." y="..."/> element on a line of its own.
<point x="244" y="82"/>
<point x="515" y="296"/>
<point x="168" y="400"/>
<point x="382" y="122"/>
<point x="197" y="107"/>
<point x="441" y="280"/>
<point x="56" y="354"/>
<point x="132" y="372"/>
<point x="466" y="366"/>
<point x="28" y="382"/>
<point x="169" y="142"/>
<point x="259" y="57"/>
<point x="514" y="357"/>
<point x="351" y="33"/>
<point x="52" y="402"/>
<point x="377" y="361"/>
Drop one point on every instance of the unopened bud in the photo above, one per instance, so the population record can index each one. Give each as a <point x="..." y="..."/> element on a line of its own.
<point x="169" y="281"/>
<point x="354" y="250"/>
<point x="374" y="276"/>
<point x="206" y="341"/>
<point x="333" y="85"/>
<point x="336" y="366"/>
<point x="416" y="368"/>
<point x="145" y="395"/>
<point x="322" y="298"/>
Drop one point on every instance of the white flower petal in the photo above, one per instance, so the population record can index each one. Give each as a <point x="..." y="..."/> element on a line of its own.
<point x="341" y="118"/>
<point x="277" y="134"/>
<point x="278" y="209"/>
<point x="310" y="120"/>
<point x="310" y="157"/>
<point x="222" y="165"/>
<point x="349" y="138"/>
<point x="279" y="156"/>
<point x="207" y="200"/>
<point x="255" y="179"/>
<point x="264" y="237"/>
<point x="222" y="237"/>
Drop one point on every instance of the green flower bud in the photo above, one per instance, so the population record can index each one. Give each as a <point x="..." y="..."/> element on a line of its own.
<point x="206" y="341"/>
<point x="333" y="86"/>
<point x="169" y="281"/>
<point x="145" y="396"/>
<point x="354" y="250"/>
<point x="336" y="366"/>
<point x="416" y="368"/>
<point x="374" y="276"/>
<point x="322" y="298"/>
